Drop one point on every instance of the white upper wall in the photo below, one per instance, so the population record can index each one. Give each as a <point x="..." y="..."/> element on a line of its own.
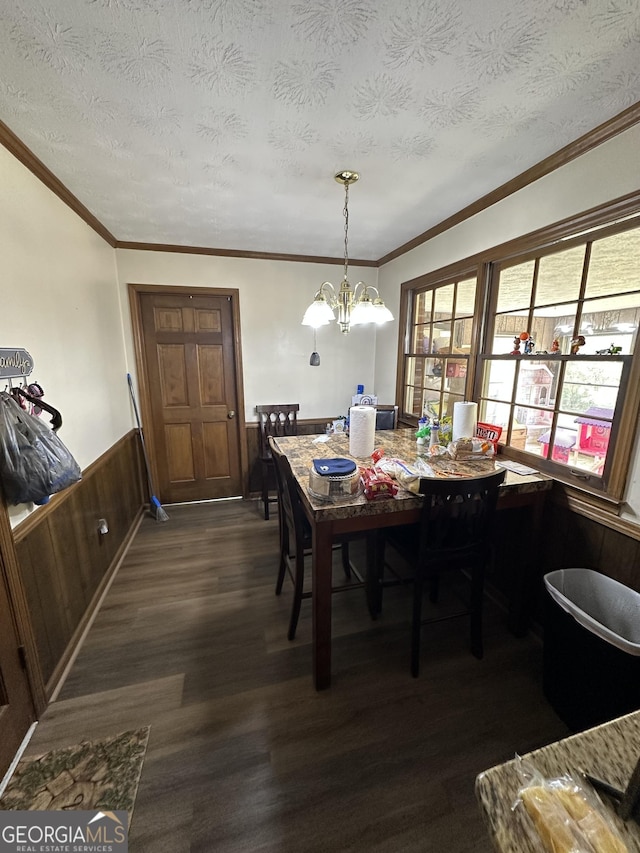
<point x="60" y="302"/>
<point x="275" y="346"/>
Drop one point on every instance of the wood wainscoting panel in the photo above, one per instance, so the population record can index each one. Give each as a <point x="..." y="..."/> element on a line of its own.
<point x="65" y="562"/>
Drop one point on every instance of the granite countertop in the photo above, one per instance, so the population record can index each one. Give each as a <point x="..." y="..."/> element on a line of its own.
<point x="301" y="450"/>
<point x="609" y="752"/>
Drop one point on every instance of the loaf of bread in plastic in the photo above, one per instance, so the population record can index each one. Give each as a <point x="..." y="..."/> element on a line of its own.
<point x="553" y="823"/>
<point x="591" y="823"/>
<point x="567" y="822"/>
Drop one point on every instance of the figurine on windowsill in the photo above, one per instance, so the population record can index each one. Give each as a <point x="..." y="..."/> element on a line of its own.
<point x="555" y="346"/>
<point x="576" y="343"/>
<point x="526" y="339"/>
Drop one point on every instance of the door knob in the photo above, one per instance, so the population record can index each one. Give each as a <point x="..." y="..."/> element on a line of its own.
<point x="231" y="414"/>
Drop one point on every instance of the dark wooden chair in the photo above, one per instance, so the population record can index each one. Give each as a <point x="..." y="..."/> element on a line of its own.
<point x="454" y="533"/>
<point x="386" y="417"/>
<point x="295" y="540"/>
<point x="280" y="419"/>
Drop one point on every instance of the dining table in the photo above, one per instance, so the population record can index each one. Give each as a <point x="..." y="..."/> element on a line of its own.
<point x="357" y="515"/>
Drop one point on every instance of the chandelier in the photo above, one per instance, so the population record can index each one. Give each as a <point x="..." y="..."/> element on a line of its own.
<point x="355" y="307"/>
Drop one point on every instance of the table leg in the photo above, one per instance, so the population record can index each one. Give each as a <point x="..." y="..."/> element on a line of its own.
<point x="321" y="604"/>
<point x="375" y="571"/>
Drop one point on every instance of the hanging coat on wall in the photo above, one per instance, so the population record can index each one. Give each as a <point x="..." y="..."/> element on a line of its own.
<point x="34" y="463"/>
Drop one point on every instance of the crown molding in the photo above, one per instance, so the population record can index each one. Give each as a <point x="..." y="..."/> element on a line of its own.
<point x="37" y="167"/>
<point x="590" y="140"/>
<point x="239" y="253"/>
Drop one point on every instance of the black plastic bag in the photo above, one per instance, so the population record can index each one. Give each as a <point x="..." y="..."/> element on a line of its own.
<point x="34" y="463"/>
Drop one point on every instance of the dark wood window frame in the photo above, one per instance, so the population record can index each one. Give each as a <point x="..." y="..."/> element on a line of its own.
<point x="432" y="282"/>
<point x="618" y="215"/>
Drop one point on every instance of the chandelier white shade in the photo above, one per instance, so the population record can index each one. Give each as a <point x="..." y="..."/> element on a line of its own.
<point x="355" y="306"/>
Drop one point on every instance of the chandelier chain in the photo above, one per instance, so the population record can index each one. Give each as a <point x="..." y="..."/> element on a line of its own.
<point x="346" y="228"/>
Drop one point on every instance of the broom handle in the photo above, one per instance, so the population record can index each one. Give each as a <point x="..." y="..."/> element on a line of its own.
<point x="144" y="448"/>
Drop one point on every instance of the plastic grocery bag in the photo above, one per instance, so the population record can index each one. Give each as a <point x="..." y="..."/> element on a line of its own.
<point x="34" y="463"/>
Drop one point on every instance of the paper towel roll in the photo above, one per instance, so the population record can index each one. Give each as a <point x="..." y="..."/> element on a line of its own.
<point x="465" y="419"/>
<point x="362" y="428"/>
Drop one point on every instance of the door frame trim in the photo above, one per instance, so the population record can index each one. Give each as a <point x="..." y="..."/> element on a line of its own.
<point x="233" y="294"/>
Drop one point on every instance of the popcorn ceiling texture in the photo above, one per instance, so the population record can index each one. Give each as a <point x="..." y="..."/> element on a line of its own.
<point x="220" y="123"/>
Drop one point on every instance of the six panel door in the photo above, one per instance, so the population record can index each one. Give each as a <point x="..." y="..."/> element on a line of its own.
<point x="188" y="344"/>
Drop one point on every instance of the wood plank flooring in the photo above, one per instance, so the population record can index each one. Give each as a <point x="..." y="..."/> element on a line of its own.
<point x="244" y="755"/>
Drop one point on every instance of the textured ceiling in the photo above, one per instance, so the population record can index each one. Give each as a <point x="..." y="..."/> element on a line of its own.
<point x="220" y="123"/>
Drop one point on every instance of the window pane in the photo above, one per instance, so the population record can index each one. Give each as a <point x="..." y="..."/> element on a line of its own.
<point x="589" y="384"/>
<point x="466" y="298"/>
<point x="498" y="379"/>
<point x="421" y="339"/>
<point x="413" y="401"/>
<point x="614" y="266"/>
<point x="498" y="414"/>
<point x="549" y="325"/>
<point x="456" y="372"/>
<point x="448" y="401"/>
<point x="515" y="287"/>
<point x="443" y="301"/>
<point x="559" y="445"/>
<point x="611" y="322"/>
<point x="423" y="307"/>
<point x="431" y="403"/>
<point x="508" y="327"/>
<point x="442" y="336"/>
<point x="593" y="429"/>
<point x="559" y="276"/>
<point x="434" y="368"/>
<point x="537" y="385"/>
<point x="527" y="427"/>
<point x="462" y="332"/>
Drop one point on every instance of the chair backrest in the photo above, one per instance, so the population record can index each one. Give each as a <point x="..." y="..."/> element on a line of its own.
<point x="386" y="417"/>
<point x="279" y="419"/>
<point x="291" y="510"/>
<point x="457" y="517"/>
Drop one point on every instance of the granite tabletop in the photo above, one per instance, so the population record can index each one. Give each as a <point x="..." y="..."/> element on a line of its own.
<point x="609" y="752"/>
<point x="301" y="450"/>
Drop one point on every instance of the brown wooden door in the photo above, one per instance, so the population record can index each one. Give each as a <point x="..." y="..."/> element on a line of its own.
<point x="190" y="367"/>
<point x="16" y="705"/>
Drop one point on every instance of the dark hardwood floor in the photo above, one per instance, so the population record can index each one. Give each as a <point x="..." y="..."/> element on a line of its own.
<point x="243" y="754"/>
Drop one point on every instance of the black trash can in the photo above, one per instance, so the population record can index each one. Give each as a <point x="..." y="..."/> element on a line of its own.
<point x="591" y="670"/>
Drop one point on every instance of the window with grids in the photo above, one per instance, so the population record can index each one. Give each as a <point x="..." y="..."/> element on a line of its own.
<point x="558" y="351"/>
<point x="440" y="335"/>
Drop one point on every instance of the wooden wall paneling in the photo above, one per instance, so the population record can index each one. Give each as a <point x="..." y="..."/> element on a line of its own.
<point x="581" y="541"/>
<point x="111" y="505"/>
<point x="70" y="565"/>
<point x="84" y="509"/>
<point x="620" y="558"/>
<point x="64" y="561"/>
<point x="47" y="610"/>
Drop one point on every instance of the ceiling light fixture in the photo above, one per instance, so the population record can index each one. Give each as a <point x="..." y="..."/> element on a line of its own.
<point x="354" y="307"/>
